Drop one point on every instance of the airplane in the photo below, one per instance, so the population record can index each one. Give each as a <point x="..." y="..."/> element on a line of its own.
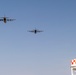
<point x="5" y="19"/>
<point x="35" y="31"/>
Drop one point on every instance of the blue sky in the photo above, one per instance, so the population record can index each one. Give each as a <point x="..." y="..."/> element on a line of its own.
<point x="46" y="53"/>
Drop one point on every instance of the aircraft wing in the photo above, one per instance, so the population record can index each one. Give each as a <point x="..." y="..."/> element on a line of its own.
<point x="10" y="19"/>
<point x="1" y="19"/>
<point x="39" y="31"/>
<point x="31" y="31"/>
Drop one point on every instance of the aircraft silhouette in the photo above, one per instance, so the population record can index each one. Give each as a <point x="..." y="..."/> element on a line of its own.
<point x="5" y="19"/>
<point x="35" y="31"/>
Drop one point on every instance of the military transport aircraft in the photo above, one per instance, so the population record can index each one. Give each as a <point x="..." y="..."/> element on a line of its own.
<point x="35" y="31"/>
<point x="5" y="19"/>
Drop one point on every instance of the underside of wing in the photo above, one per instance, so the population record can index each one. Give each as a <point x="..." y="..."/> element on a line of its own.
<point x="31" y="31"/>
<point x="1" y="19"/>
<point x="39" y="31"/>
<point x="10" y="19"/>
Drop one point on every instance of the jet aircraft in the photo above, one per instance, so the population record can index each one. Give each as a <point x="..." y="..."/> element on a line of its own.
<point x="5" y="19"/>
<point x="35" y="31"/>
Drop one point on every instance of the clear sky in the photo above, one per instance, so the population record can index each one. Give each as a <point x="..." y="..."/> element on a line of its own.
<point x="46" y="53"/>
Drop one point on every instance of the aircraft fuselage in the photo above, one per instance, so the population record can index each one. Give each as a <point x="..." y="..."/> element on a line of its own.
<point x="35" y="31"/>
<point x="4" y="20"/>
